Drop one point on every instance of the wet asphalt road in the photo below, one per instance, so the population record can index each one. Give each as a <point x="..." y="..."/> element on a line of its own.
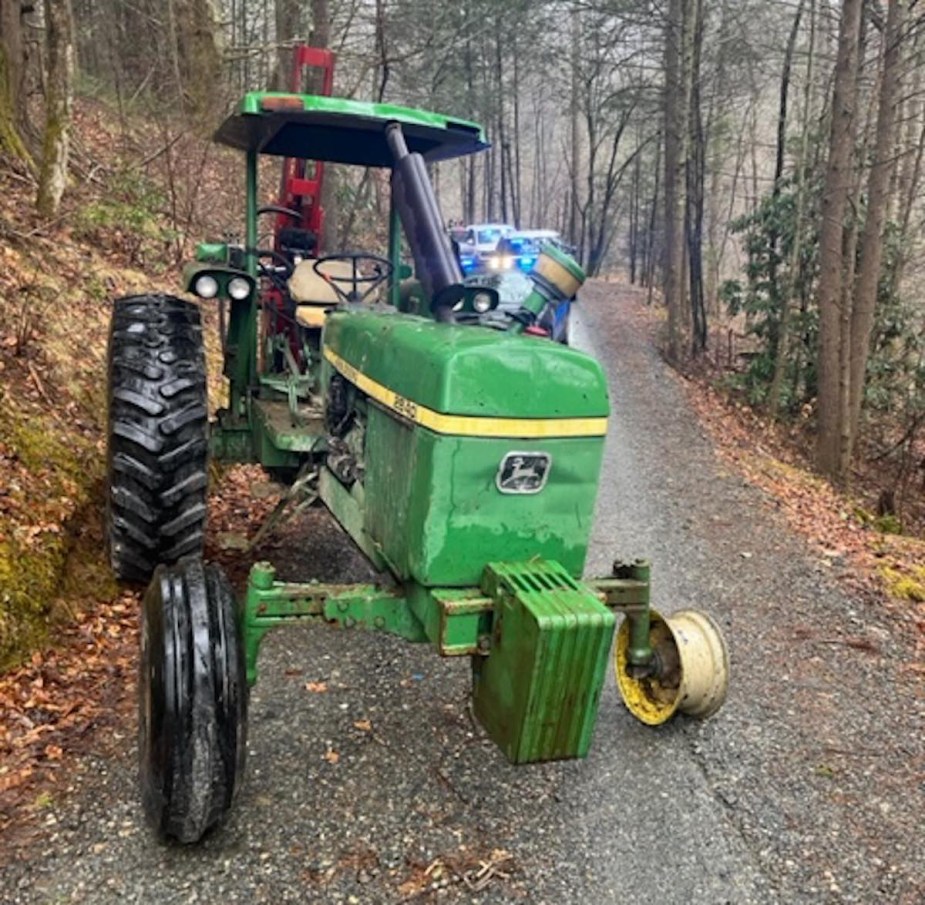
<point x="806" y="787"/>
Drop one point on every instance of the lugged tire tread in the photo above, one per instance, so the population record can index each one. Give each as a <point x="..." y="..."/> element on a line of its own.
<point x="187" y="519"/>
<point x="188" y="450"/>
<point x="158" y="434"/>
<point x="133" y="467"/>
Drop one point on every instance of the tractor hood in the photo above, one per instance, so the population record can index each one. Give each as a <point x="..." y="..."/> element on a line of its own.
<point x="474" y="442"/>
<point x="539" y="388"/>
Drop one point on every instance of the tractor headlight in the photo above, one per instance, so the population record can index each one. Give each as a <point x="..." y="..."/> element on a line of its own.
<point x="239" y="288"/>
<point x="481" y="301"/>
<point x="206" y="287"/>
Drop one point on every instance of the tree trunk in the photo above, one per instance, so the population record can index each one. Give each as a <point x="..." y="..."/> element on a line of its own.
<point x="780" y="296"/>
<point x="909" y="173"/>
<point x="517" y="177"/>
<point x="832" y="265"/>
<point x="199" y="58"/>
<point x="694" y="182"/>
<point x="286" y="17"/>
<point x="675" y="129"/>
<point x="633" y="244"/>
<point x="573" y="128"/>
<point x="652" y="248"/>
<point x="59" y="97"/>
<point x="716" y="157"/>
<point x="470" y="162"/>
<point x="503" y="147"/>
<point x="173" y="43"/>
<point x="11" y="74"/>
<point x="865" y="294"/>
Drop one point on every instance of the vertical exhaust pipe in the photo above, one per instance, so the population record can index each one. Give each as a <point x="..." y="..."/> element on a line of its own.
<point x="434" y="261"/>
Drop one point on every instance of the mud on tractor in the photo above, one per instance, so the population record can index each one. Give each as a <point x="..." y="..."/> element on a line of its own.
<point x="408" y="406"/>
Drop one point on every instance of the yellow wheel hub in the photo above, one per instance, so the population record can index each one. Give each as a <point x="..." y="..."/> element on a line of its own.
<point x="693" y="673"/>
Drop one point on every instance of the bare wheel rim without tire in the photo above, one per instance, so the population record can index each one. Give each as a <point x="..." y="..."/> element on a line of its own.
<point x="693" y="674"/>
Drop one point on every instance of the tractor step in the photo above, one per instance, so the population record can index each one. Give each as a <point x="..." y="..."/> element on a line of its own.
<point x="275" y="419"/>
<point x="537" y="692"/>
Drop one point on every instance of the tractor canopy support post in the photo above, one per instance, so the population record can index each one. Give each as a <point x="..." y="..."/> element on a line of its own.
<point x="394" y="250"/>
<point x="251" y="213"/>
<point x="241" y="342"/>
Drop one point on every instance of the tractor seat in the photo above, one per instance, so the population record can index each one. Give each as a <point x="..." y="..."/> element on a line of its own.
<point x="313" y="294"/>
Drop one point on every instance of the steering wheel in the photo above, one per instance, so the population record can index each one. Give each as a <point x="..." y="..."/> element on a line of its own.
<point x="276" y="209"/>
<point x="381" y="271"/>
<point x="278" y="275"/>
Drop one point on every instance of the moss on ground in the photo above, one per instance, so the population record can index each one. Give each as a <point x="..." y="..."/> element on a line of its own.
<point x="906" y="584"/>
<point x="51" y="472"/>
<point x="30" y="578"/>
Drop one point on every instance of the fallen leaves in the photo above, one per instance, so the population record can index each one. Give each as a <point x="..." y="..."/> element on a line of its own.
<point x="474" y="871"/>
<point x="51" y="706"/>
<point x="768" y="458"/>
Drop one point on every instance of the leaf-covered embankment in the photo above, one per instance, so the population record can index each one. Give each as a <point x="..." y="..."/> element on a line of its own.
<point x="56" y="280"/>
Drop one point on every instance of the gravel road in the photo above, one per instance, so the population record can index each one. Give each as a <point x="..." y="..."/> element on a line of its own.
<point x="806" y="788"/>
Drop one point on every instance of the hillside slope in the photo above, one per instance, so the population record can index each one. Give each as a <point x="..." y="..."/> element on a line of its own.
<point x="113" y="237"/>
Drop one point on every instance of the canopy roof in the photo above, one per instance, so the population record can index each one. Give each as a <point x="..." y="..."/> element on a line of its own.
<point x="343" y="131"/>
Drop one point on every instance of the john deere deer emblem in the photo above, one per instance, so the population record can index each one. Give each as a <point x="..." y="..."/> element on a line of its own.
<point x="523" y="472"/>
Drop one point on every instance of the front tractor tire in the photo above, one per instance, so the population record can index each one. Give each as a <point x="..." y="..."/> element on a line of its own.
<point x="158" y="435"/>
<point x="192" y="696"/>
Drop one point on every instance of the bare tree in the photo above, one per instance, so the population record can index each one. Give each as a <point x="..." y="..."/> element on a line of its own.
<point x="693" y="222"/>
<point x="781" y="295"/>
<point x="199" y="56"/>
<point x="59" y="99"/>
<point x="674" y="139"/>
<point x="288" y="26"/>
<point x="12" y="100"/>
<point x="871" y="254"/>
<point x="832" y="398"/>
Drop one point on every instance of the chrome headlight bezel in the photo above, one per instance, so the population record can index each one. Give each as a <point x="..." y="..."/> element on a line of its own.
<point x="482" y="302"/>
<point x="239" y="288"/>
<point x="206" y="286"/>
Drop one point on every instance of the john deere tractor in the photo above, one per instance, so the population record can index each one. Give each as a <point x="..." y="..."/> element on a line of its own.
<point x="408" y="404"/>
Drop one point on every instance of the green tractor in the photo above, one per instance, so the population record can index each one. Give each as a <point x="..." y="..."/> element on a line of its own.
<point x="409" y="404"/>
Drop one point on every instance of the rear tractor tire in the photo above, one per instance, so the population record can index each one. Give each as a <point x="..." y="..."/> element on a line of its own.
<point x="158" y="435"/>
<point x="192" y="697"/>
